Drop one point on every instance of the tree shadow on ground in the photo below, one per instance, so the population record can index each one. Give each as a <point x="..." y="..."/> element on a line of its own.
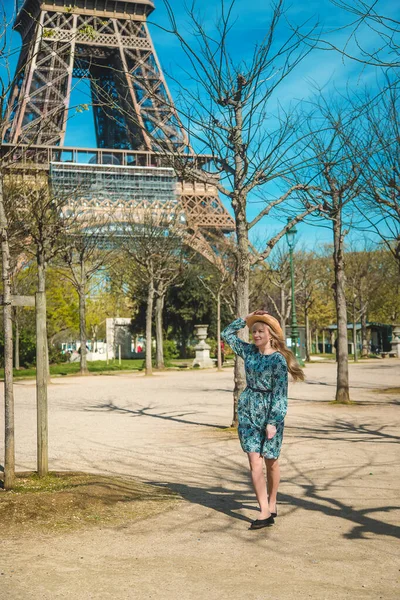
<point x="354" y="404"/>
<point x="317" y="495"/>
<point x="145" y="411"/>
<point x="230" y="502"/>
<point x="333" y="384"/>
<point x="346" y="431"/>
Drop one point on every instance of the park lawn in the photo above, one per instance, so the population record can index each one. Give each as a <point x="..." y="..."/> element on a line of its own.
<point x="98" y="366"/>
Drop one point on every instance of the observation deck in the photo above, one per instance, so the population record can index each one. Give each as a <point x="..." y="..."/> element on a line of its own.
<point x="102" y="178"/>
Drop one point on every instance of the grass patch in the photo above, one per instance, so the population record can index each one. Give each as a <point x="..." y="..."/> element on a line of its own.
<point x="70" y="501"/>
<point x="392" y="390"/>
<point x="98" y="366"/>
<point x="340" y="403"/>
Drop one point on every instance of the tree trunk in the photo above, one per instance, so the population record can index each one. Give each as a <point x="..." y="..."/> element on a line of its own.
<point x="9" y="441"/>
<point x="82" y="317"/>
<point x="41" y="370"/>
<point x="355" y="334"/>
<point x="316" y="342"/>
<point x="242" y="301"/>
<point x="16" y="347"/>
<point x="94" y="338"/>
<point x="219" y="352"/>
<point x="307" y="335"/>
<point x="159" y="331"/>
<point x="332" y="340"/>
<point x="342" y="384"/>
<point x="82" y="328"/>
<point x="364" y="332"/>
<point x="47" y="360"/>
<point x="41" y="264"/>
<point x="183" y="345"/>
<point x="149" y="318"/>
<point x="323" y="342"/>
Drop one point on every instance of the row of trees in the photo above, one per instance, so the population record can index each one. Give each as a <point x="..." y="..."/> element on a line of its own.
<point x="121" y="289"/>
<point x="333" y="160"/>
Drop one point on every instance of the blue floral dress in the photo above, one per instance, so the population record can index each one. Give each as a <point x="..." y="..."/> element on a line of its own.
<point x="264" y="401"/>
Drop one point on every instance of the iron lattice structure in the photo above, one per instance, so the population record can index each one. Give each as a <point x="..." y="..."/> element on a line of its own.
<point x="136" y="124"/>
<point x="108" y="42"/>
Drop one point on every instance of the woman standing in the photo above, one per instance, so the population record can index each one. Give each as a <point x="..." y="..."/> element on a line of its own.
<point x="262" y="405"/>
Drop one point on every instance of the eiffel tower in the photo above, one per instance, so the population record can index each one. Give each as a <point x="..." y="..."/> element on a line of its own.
<point x="136" y="124"/>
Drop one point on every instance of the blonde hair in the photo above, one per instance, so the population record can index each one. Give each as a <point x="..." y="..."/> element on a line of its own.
<point x="278" y="344"/>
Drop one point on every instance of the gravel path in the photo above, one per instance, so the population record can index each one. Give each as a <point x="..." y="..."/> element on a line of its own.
<point x="335" y="536"/>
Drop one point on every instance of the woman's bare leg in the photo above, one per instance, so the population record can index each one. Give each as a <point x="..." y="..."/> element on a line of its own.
<point x="259" y="483"/>
<point x="273" y="479"/>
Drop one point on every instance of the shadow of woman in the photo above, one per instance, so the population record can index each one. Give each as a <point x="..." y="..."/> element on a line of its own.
<point x="229" y="502"/>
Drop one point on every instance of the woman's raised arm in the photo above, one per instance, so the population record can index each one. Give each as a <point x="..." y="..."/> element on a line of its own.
<point x="229" y="335"/>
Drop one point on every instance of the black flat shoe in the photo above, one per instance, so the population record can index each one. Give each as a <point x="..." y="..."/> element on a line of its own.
<point x="260" y="523"/>
<point x="275" y="514"/>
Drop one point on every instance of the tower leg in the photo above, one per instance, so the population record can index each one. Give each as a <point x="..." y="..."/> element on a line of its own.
<point x="43" y="96"/>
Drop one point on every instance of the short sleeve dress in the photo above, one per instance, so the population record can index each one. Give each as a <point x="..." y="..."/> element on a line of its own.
<point x="264" y="400"/>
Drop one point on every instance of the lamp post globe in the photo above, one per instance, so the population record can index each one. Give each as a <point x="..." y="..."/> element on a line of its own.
<point x="290" y="236"/>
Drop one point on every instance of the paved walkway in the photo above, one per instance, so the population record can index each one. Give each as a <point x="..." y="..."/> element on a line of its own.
<point x="335" y="536"/>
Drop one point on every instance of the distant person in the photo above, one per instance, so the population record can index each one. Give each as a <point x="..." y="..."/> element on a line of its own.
<point x="262" y="405"/>
<point x="335" y="344"/>
<point x="139" y="348"/>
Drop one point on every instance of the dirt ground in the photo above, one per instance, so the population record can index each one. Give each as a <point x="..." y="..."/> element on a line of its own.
<point x="336" y="532"/>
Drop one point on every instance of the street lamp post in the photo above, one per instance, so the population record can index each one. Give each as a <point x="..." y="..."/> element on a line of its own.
<point x="290" y="235"/>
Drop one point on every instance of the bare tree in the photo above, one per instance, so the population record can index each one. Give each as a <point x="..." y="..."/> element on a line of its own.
<point x="9" y="459"/>
<point x="383" y="28"/>
<point x="89" y="248"/>
<point x="220" y="285"/>
<point x="155" y="245"/>
<point x="339" y="152"/>
<point x="39" y="222"/>
<point x="381" y="197"/>
<point x="38" y="218"/>
<point x="230" y="110"/>
<point x="273" y="286"/>
<point x="364" y="282"/>
<point x="308" y="269"/>
<point x="384" y="306"/>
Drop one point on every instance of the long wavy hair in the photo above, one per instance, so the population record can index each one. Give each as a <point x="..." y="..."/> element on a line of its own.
<point x="278" y="344"/>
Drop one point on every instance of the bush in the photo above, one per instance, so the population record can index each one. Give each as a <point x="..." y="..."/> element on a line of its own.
<point x="190" y="352"/>
<point x="56" y="356"/>
<point x="213" y="345"/>
<point x="27" y="349"/>
<point x="170" y="350"/>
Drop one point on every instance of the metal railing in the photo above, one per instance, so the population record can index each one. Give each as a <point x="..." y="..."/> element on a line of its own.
<point x="40" y="157"/>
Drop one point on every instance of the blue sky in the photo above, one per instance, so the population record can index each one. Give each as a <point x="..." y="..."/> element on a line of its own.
<point x="320" y="68"/>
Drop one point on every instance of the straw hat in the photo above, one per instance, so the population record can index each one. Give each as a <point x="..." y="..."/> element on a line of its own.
<point x="269" y="320"/>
